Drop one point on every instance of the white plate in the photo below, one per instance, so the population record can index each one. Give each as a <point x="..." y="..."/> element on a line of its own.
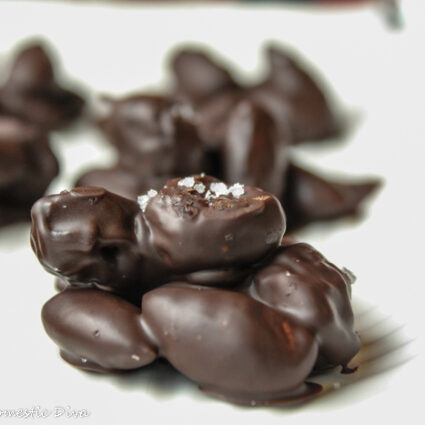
<point x="378" y="77"/>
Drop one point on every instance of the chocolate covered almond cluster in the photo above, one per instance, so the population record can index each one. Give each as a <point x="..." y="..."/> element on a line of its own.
<point x="196" y="273"/>
<point x="236" y="132"/>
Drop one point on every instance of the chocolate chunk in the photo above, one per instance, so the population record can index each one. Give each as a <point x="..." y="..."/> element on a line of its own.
<point x="92" y="236"/>
<point x="303" y="285"/>
<point x="27" y="166"/>
<point x="32" y="93"/>
<point x="310" y="198"/>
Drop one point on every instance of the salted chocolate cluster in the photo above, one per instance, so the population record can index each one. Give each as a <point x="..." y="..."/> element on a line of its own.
<point x="27" y="166"/>
<point x="32" y="93"/>
<point x="197" y="273"/>
<point x="211" y="123"/>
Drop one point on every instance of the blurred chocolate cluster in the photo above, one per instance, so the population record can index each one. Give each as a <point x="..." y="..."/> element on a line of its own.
<point x="210" y="122"/>
<point x="32" y="103"/>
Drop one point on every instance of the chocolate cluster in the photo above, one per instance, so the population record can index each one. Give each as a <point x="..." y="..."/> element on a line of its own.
<point x="197" y="273"/>
<point x="236" y="132"/>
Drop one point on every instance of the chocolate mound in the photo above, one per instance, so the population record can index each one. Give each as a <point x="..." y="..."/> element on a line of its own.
<point x="194" y="273"/>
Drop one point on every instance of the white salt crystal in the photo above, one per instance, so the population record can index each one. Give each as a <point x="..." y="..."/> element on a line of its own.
<point x="143" y="200"/>
<point x="237" y="190"/>
<point x="186" y="182"/>
<point x="200" y="187"/>
<point x="219" y="189"/>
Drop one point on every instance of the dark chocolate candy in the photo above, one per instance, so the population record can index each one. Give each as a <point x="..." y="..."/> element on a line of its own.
<point x="90" y="236"/>
<point x="309" y="198"/>
<point x="303" y="285"/>
<point x="283" y="315"/>
<point x="27" y="166"/>
<point x="154" y="136"/>
<point x="32" y="93"/>
<point x="243" y="225"/>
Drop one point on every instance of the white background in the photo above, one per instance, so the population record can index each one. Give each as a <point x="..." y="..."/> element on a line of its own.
<point x="376" y="75"/>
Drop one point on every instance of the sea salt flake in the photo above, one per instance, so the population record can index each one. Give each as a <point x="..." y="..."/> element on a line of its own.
<point x="143" y="200"/>
<point x="135" y="357"/>
<point x="237" y="190"/>
<point x="186" y="182"/>
<point x="219" y="189"/>
<point x="200" y="187"/>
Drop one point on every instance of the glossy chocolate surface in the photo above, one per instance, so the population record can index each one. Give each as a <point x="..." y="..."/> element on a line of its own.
<point x="254" y="344"/>
<point x="32" y="93"/>
<point x="302" y="284"/>
<point x="92" y="236"/>
<point x="27" y="166"/>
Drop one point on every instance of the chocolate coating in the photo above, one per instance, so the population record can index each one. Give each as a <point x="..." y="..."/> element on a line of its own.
<point x="179" y="214"/>
<point x="97" y="331"/>
<point x="32" y="93"/>
<point x="213" y="337"/>
<point x="90" y="236"/>
<point x="303" y="285"/>
<point x="27" y="166"/>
